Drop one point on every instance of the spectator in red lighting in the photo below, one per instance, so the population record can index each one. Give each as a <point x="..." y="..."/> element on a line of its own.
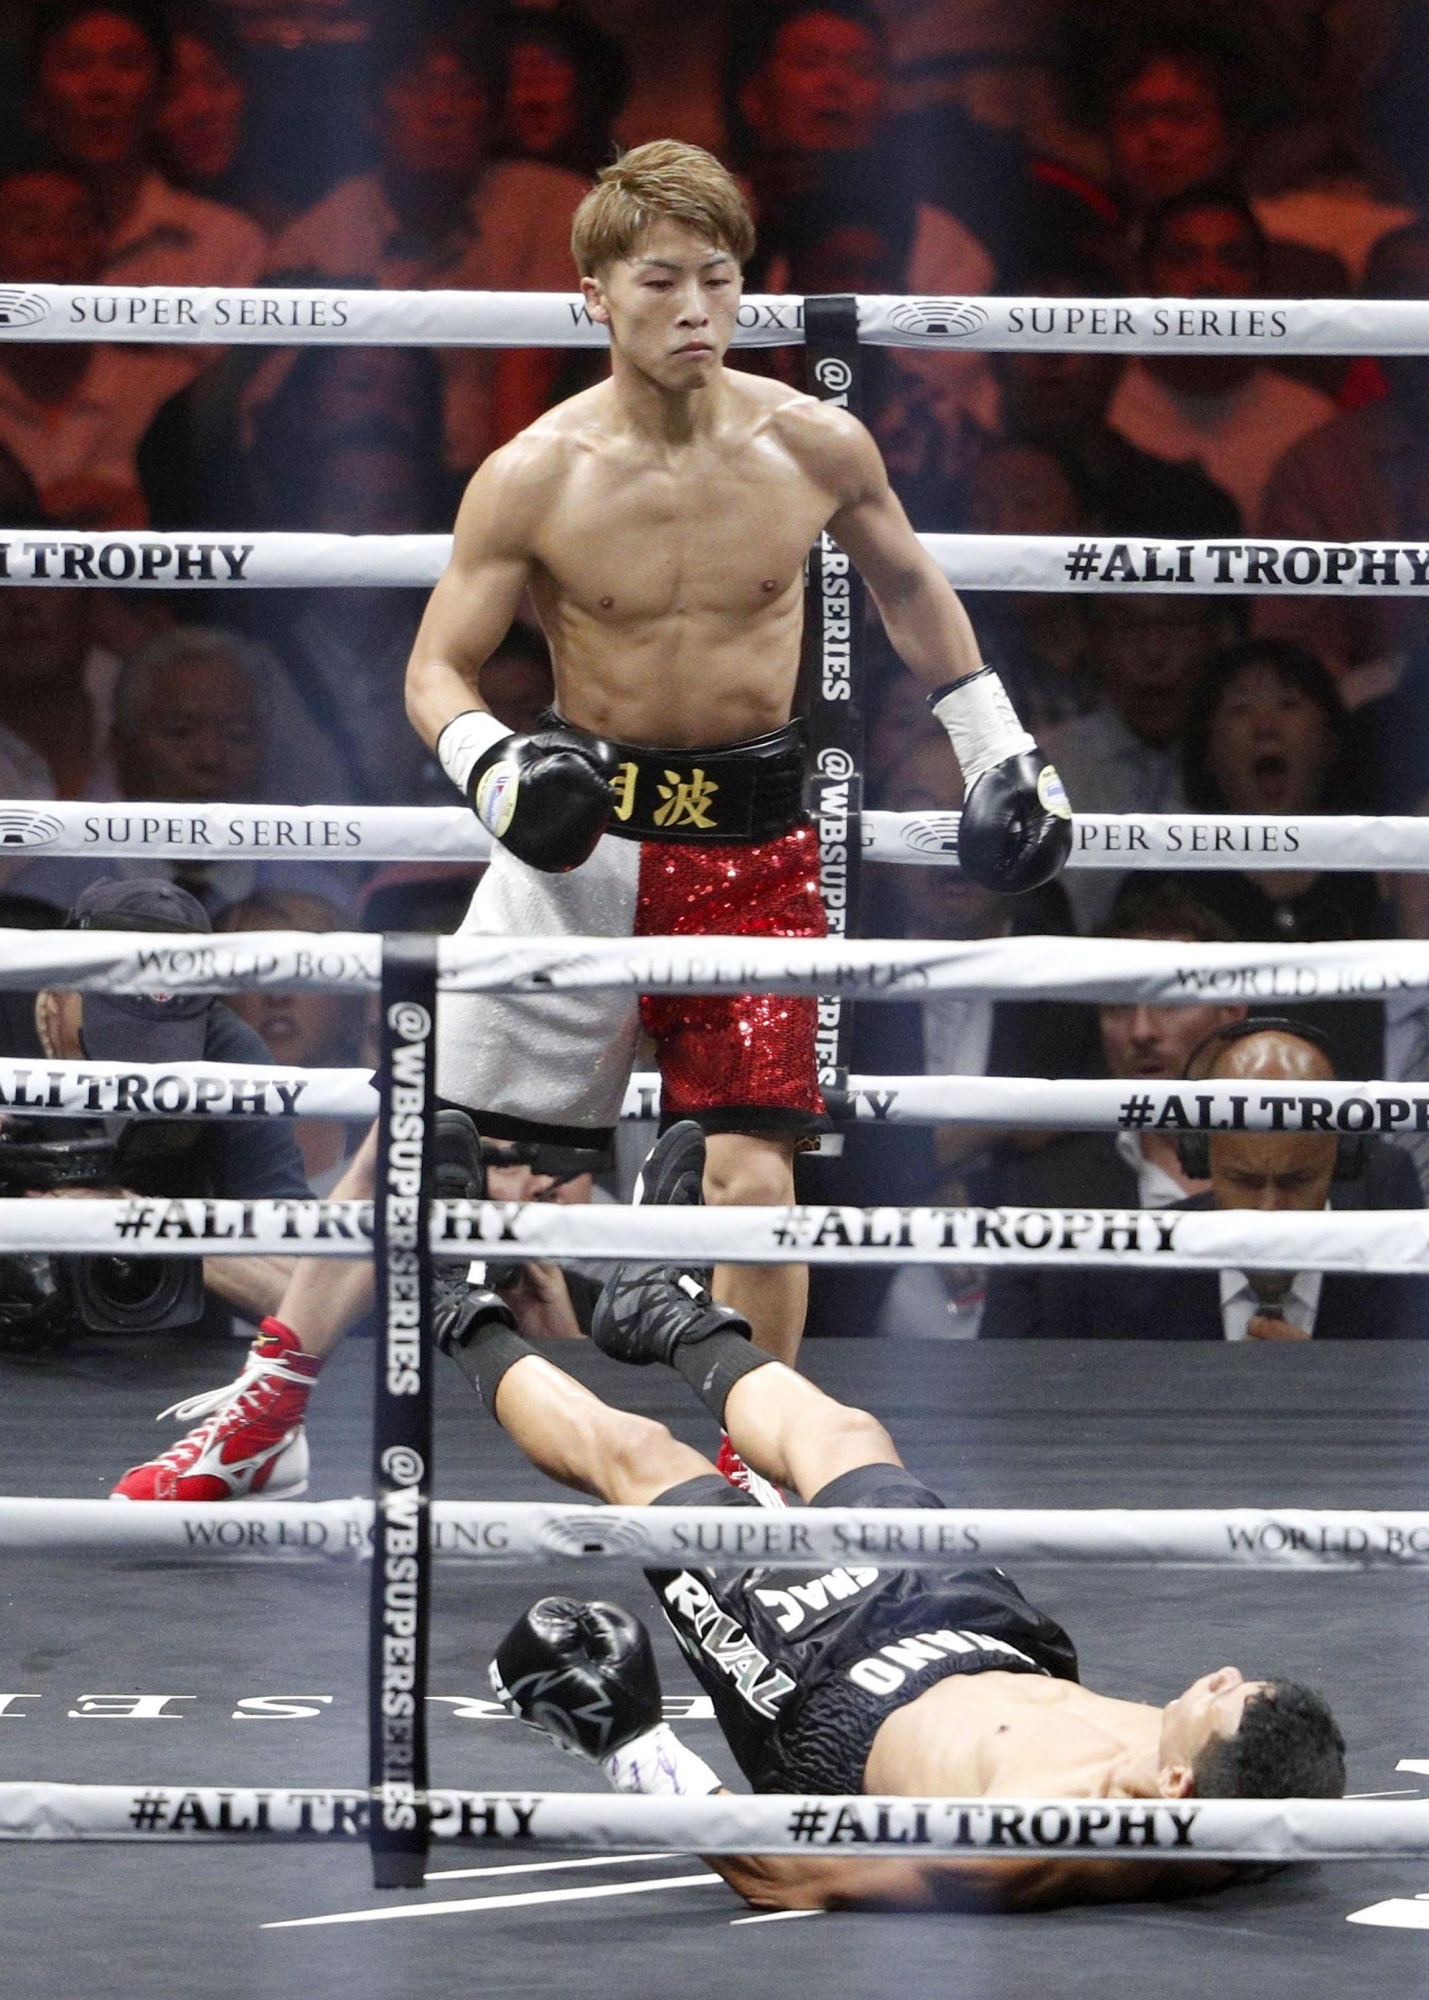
<point x="1363" y="477"/>
<point x="200" y="122"/>
<point x="1225" y="412"/>
<point x="1172" y="121"/>
<point x="812" y="89"/>
<point x="98" y="72"/>
<point x="565" y="84"/>
<point x="1061" y="401"/>
<point x="438" y="212"/>
<point x="73" y="414"/>
<point x="1176" y="102"/>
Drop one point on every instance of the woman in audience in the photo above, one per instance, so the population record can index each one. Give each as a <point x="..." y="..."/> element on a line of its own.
<point x="1271" y="735"/>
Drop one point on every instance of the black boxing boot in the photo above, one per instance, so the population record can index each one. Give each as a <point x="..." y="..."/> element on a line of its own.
<point x="673" y="1175"/>
<point x="646" y="1312"/>
<point x="545" y="797"/>
<point x="660" y="1313"/>
<point x="471" y="1323"/>
<point x="1015" y="832"/>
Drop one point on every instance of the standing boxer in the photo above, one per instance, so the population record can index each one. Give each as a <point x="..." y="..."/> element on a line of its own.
<point x="659" y="523"/>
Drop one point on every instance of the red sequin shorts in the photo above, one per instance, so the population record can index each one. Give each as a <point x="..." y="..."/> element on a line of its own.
<point x="724" y="1054"/>
<point x="558" y="1066"/>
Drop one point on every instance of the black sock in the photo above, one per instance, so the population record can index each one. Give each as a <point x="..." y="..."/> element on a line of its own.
<point x="713" y="1365"/>
<point x="486" y="1354"/>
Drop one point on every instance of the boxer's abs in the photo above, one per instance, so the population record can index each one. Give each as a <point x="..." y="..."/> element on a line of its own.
<point x="990" y="1734"/>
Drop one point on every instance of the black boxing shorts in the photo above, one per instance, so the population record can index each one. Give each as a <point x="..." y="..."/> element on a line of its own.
<point x="804" y="1666"/>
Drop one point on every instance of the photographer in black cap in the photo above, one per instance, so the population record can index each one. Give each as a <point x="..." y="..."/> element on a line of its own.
<point x="229" y="1157"/>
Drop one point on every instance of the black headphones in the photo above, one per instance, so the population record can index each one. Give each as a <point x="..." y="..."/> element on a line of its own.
<point x="1193" y="1149"/>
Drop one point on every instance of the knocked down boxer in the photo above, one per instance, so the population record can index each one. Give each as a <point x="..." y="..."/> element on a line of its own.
<point x="856" y="1679"/>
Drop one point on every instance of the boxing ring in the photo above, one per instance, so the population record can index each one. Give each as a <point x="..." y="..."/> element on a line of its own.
<point x="401" y="1809"/>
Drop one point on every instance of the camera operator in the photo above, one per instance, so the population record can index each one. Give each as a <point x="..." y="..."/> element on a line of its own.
<point x="230" y="1158"/>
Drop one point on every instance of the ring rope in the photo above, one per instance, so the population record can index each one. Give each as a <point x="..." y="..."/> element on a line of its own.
<point x="221" y="1091"/>
<point x="1144" y="971"/>
<point x="157" y="831"/>
<point x="198" y="560"/>
<point x="214" y="1091"/>
<point x="731" y="1823"/>
<point x="1361" y="1240"/>
<point x="282" y="316"/>
<point x="536" y="1531"/>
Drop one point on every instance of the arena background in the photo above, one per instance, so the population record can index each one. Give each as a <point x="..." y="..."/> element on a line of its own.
<point x="947" y="149"/>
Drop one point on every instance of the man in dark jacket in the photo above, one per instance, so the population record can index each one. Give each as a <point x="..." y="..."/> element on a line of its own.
<point x="235" y="1157"/>
<point x="1265" y="1172"/>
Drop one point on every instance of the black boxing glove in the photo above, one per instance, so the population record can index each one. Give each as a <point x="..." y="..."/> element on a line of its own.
<point x="1015" y="832"/>
<point x="546" y="797"/>
<point x="583" y="1674"/>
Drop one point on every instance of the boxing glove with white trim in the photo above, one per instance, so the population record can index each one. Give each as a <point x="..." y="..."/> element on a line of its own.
<point x="545" y="797"/>
<point x="1016" y="827"/>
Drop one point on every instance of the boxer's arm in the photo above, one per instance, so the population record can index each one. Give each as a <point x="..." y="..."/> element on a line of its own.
<point x="479" y="593"/>
<point x="828" y="1882"/>
<point x="1015" y="832"/>
<point x="921" y="612"/>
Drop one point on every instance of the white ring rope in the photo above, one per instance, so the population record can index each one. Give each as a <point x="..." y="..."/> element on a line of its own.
<point x="218" y="1092"/>
<point x="1112" y="970"/>
<point x="538" y="1531"/>
<point x="1067" y="563"/>
<point x="156" y="831"/>
<point x="1363" y="1240"/>
<point x="1378" y="1240"/>
<point x="1101" y="1104"/>
<point x="732" y="1823"/>
<point x="1193" y="841"/>
<point x="259" y="560"/>
<point x="282" y="316"/>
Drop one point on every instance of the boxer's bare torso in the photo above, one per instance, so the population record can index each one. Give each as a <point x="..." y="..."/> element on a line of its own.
<point x="668" y="573"/>
<point x="660" y="523"/>
<point x="1005" y="1736"/>
<point x="998" y="1735"/>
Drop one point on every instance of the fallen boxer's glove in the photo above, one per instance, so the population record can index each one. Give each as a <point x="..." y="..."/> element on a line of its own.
<point x="585" y="1676"/>
<point x="1016" y="827"/>
<point x="547" y="797"/>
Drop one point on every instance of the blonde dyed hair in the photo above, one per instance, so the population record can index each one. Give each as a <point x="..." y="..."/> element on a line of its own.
<point x="664" y="180"/>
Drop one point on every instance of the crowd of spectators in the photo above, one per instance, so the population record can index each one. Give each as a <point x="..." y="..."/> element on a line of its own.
<point x="1073" y="148"/>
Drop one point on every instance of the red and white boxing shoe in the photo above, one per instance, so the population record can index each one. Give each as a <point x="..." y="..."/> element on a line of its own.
<point x="745" y="1477"/>
<point x="252" y="1439"/>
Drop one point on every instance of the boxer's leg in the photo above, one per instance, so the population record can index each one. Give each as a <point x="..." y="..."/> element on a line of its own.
<point x="569" y="1433"/>
<point x="744" y="1067"/>
<point x="323" y="1298"/>
<point x="744" y="1169"/>
<point x="793" y="1433"/>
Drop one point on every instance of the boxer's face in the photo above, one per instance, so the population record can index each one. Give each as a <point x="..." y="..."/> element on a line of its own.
<point x="1211" y="1708"/>
<point x="670" y="306"/>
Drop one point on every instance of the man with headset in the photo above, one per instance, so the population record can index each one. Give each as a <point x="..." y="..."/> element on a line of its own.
<point x="1263" y="1171"/>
